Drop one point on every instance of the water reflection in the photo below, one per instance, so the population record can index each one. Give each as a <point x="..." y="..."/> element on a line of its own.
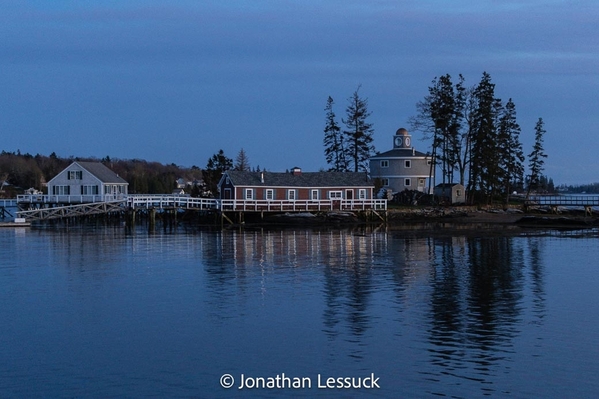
<point x="458" y="316"/>
<point x="467" y="291"/>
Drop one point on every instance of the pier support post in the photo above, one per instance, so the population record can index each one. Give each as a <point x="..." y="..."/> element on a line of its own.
<point x="152" y="218"/>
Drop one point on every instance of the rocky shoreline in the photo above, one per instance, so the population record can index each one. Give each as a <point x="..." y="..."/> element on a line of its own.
<point x="472" y="217"/>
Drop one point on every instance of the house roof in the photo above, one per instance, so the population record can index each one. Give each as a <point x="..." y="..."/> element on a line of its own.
<point x="305" y="179"/>
<point x="102" y="172"/>
<point x="400" y="153"/>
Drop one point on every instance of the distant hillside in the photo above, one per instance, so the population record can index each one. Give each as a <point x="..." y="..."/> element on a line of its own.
<point x="19" y="172"/>
<point x="579" y="189"/>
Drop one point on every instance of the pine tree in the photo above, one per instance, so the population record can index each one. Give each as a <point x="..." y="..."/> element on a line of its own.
<point x="510" y="149"/>
<point x="217" y="164"/>
<point x="334" y="150"/>
<point x="358" y="136"/>
<point x="535" y="158"/>
<point x="242" y="162"/>
<point x="483" y="138"/>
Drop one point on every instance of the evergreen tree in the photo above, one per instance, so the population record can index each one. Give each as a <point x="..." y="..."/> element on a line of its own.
<point x="242" y="162"/>
<point x="510" y="149"/>
<point x="334" y="150"/>
<point x="484" y="158"/>
<point x="217" y="164"/>
<point x="536" y="157"/>
<point x="358" y="136"/>
<point x="441" y="116"/>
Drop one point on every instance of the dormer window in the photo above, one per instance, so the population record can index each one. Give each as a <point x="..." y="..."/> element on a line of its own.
<point x="75" y="175"/>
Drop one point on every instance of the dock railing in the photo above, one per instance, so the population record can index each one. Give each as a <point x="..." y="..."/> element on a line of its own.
<point x="302" y="205"/>
<point x="146" y="201"/>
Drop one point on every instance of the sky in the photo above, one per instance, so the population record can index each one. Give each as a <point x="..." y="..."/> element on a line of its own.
<point x="176" y="81"/>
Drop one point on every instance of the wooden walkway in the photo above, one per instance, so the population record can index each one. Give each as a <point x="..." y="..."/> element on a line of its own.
<point x="157" y="201"/>
<point x="6" y="203"/>
<point x="94" y="208"/>
<point x="46" y="209"/>
<point x="555" y="201"/>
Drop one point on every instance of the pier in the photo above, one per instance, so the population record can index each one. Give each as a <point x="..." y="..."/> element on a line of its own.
<point x="556" y="201"/>
<point x="6" y="203"/>
<point x="44" y="207"/>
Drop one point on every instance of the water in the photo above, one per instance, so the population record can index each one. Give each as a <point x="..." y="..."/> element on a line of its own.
<point x="108" y="312"/>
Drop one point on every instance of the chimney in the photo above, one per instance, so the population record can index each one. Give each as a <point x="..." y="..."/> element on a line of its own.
<point x="295" y="171"/>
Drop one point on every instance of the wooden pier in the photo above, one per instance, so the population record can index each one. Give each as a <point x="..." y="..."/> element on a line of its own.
<point x="41" y="207"/>
<point x="67" y="211"/>
<point x="556" y="201"/>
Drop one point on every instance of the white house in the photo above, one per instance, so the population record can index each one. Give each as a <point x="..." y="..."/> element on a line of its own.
<point x="87" y="182"/>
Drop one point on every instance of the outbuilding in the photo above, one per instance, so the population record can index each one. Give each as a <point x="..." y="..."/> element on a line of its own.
<point x="455" y="193"/>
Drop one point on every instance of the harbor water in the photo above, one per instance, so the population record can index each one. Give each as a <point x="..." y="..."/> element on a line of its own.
<point x="109" y="311"/>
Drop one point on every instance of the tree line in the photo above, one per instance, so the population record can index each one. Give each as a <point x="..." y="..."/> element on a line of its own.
<point x="19" y="172"/>
<point x="475" y="138"/>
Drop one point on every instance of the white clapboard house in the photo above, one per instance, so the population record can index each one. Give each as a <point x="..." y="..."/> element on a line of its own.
<point x="87" y="182"/>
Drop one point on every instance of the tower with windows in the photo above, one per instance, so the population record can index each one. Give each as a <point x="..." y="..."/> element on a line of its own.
<point x="402" y="167"/>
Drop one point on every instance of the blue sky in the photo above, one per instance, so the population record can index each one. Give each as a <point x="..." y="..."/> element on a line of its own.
<point x="176" y="81"/>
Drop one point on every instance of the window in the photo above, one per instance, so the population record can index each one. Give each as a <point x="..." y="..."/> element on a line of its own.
<point x="458" y="192"/>
<point x="407" y="182"/>
<point x="75" y="175"/>
<point x="384" y="164"/>
<point x="249" y="194"/>
<point x="362" y="193"/>
<point x="421" y="182"/>
<point x="428" y="162"/>
<point x="335" y="195"/>
<point x="61" y="190"/>
<point x="107" y="189"/>
<point x="314" y="195"/>
<point x="291" y="195"/>
<point x="270" y="194"/>
<point x="89" y="190"/>
<point x="408" y="164"/>
<point x="385" y="182"/>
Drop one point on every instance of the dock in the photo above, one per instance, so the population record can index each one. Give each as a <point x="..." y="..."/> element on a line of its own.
<point x="556" y="201"/>
<point x="44" y="207"/>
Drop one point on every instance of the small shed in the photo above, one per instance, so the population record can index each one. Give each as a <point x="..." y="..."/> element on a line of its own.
<point x="454" y="192"/>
